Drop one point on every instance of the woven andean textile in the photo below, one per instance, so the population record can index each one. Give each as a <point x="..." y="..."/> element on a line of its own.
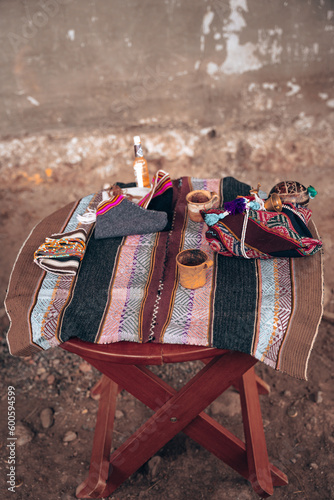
<point x="128" y="289"/>
<point x="267" y="234"/>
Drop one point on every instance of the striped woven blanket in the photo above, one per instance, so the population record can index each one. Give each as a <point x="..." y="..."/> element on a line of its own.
<point x="127" y="289"/>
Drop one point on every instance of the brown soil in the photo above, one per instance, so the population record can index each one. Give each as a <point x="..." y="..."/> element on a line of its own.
<point x="298" y="419"/>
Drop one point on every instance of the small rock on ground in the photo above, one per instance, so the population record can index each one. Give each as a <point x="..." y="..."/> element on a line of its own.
<point x="23" y="433"/>
<point x="85" y="367"/>
<point x="154" y="466"/>
<point x="233" y="493"/>
<point x="228" y="405"/>
<point x="319" y="397"/>
<point x="69" y="436"/>
<point x="46" y="417"/>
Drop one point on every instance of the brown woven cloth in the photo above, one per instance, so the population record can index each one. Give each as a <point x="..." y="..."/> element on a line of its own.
<point x="25" y="280"/>
<point x="236" y="309"/>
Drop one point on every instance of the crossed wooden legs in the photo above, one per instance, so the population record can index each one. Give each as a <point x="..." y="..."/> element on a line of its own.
<point x="175" y="412"/>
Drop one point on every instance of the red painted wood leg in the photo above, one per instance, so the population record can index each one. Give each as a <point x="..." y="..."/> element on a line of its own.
<point x="203" y="429"/>
<point x="256" y="448"/>
<point x="100" y="459"/>
<point x="96" y="389"/>
<point x="154" y="392"/>
<point x="262" y="386"/>
<point x="174" y="415"/>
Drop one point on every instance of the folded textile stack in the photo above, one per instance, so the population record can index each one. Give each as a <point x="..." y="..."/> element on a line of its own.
<point x="62" y="253"/>
<point x="118" y="214"/>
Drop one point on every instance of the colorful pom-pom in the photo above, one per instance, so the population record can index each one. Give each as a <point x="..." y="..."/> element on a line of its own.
<point x="312" y="192"/>
<point x="211" y="219"/>
<point x="236" y="206"/>
<point x="254" y="205"/>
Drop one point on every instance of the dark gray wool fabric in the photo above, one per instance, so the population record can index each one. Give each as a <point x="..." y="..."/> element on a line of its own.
<point x="126" y="218"/>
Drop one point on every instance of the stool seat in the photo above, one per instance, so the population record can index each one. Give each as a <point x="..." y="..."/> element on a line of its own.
<point x="141" y="354"/>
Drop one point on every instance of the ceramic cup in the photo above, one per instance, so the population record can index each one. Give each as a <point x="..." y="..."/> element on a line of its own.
<point x="192" y="265"/>
<point x="200" y="200"/>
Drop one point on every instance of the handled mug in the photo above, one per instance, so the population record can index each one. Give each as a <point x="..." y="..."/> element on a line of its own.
<point x="200" y="200"/>
<point x="192" y="265"/>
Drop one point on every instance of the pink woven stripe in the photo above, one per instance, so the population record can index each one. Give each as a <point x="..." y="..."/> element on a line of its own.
<point x="199" y="326"/>
<point x="160" y="184"/>
<point x="119" y="298"/>
<point x="142" y="202"/>
<point x="113" y="202"/>
<point x="192" y="323"/>
<point x="163" y="188"/>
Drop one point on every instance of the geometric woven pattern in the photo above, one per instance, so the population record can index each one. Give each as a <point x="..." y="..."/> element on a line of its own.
<point x="128" y="289"/>
<point x="264" y="234"/>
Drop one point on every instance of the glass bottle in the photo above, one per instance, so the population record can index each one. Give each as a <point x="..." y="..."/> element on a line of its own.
<point x="140" y="165"/>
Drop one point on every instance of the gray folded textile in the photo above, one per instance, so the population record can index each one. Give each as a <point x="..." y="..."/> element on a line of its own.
<point x="120" y="217"/>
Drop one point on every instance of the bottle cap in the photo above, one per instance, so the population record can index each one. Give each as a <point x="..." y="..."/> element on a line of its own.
<point x="136" y="140"/>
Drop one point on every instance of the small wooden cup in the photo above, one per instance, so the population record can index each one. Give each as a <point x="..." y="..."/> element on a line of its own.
<point x="192" y="265"/>
<point x="200" y="200"/>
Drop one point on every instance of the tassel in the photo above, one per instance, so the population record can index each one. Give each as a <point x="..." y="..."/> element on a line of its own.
<point x="236" y="206"/>
<point x="254" y="205"/>
<point x="312" y="192"/>
<point x="212" y="219"/>
<point x="88" y="217"/>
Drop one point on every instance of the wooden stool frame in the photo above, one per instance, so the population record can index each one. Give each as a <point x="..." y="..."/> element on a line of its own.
<point x="123" y="367"/>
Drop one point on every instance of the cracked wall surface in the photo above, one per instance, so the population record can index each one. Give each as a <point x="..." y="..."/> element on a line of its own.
<point x="214" y="88"/>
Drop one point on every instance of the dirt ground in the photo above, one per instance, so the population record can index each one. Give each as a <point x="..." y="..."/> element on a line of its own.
<point x="39" y="174"/>
<point x="47" y="467"/>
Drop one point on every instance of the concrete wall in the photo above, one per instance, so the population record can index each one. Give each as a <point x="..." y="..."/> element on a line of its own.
<point x="102" y="63"/>
<point x="215" y="88"/>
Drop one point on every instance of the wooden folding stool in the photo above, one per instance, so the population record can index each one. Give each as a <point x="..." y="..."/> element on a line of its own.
<point x="123" y="366"/>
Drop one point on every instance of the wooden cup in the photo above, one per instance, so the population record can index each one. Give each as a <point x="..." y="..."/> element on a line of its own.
<point x="200" y="200"/>
<point x="192" y="265"/>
